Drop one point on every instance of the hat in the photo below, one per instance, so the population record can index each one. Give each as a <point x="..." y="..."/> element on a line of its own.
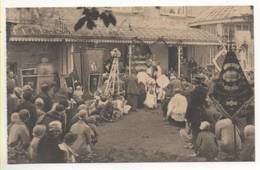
<point x="82" y="107"/>
<point x="15" y="117"/>
<point x="204" y="125"/>
<point x="39" y="131"/>
<point x="249" y="130"/>
<point x="82" y="114"/>
<point x="18" y="90"/>
<point x="199" y="77"/>
<point x="27" y="88"/>
<point x="27" y="95"/>
<point x="24" y="114"/>
<point x="78" y="88"/>
<point x="39" y="101"/>
<point x="59" y="108"/>
<point x="45" y="84"/>
<point x="177" y="90"/>
<point x="55" y="125"/>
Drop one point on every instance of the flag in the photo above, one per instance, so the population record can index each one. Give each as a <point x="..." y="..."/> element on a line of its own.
<point x="219" y="59"/>
<point x="231" y="90"/>
<point x="72" y="77"/>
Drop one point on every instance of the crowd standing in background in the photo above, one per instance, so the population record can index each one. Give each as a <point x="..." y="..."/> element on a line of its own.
<point x="62" y="127"/>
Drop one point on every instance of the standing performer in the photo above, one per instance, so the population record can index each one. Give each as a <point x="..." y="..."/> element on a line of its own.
<point x="132" y="91"/>
<point x="195" y="111"/>
<point x="151" y="99"/>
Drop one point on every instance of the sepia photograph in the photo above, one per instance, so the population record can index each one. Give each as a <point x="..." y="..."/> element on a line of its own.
<point x="130" y="84"/>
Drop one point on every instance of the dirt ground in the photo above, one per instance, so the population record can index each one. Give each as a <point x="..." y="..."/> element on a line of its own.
<point x="140" y="136"/>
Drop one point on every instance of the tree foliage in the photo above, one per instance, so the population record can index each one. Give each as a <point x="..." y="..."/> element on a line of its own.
<point x="91" y="15"/>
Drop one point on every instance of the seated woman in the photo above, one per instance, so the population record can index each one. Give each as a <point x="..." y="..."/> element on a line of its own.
<point x="83" y="143"/>
<point x="18" y="139"/>
<point x="177" y="109"/>
<point x="206" y="143"/>
<point x="224" y="131"/>
<point x="248" y="148"/>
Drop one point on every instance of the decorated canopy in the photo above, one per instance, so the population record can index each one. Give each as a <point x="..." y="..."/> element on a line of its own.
<point x="232" y="90"/>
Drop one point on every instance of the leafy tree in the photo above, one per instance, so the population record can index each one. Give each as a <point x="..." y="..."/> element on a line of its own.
<point x="90" y="15"/>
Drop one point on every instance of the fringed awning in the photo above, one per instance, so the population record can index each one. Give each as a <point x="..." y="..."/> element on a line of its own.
<point x="186" y="35"/>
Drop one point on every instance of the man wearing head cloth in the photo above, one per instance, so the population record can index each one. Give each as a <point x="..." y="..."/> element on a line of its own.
<point x="44" y="94"/>
<point x="57" y="115"/>
<point x="28" y="105"/>
<point x="82" y="145"/>
<point x="195" y="110"/>
<point x="48" y="148"/>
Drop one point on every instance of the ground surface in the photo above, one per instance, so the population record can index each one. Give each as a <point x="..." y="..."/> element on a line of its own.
<point x="140" y="136"/>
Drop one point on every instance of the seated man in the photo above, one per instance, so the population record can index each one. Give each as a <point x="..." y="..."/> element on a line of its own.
<point x="224" y="131"/>
<point x="248" y="149"/>
<point x="177" y="108"/>
<point x="82" y="145"/>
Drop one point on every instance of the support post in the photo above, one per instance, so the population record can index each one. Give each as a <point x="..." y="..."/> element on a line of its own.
<point x="179" y="60"/>
<point x="210" y="55"/>
<point x="130" y="58"/>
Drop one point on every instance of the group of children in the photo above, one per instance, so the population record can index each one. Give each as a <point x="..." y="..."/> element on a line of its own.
<point x="59" y="128"/>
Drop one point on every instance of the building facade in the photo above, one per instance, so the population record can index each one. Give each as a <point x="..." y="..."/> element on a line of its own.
<point x="49" y="32"/>
<point x="231" y="23"/>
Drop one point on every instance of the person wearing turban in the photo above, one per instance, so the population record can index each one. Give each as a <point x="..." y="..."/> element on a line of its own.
<point x="18" y="139"/>
<point x="48" y="148"/>
<point x="82" y="145"/>
<point x="248" y="149"/>
<point x="206" y="142"/>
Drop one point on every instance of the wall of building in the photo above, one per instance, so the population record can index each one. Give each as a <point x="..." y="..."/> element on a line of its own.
<point x="203" y="55"/>
<point x="28" y="55"/>
<point x="160" y="52"/>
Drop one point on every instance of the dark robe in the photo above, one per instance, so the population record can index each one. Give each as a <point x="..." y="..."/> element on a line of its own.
<point x="11" y="106"/>
<point x="141" y="96"/>
<point x="132" y="92"/>
<point x="28" y="105"/>
<point x="49" y="117"/>
<point x="47" y="101"/>
<point x="49" y="151"/>
<point x="195" y="112"/>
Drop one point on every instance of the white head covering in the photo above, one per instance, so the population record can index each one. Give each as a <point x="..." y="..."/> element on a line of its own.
<point x="39" y="101"/>
<point x="204" y="125"/>
<point x="55" y="125"/>
<point x="249" y="130"/>
<point x="82" y="107"/>
<point x="15" y="117"/>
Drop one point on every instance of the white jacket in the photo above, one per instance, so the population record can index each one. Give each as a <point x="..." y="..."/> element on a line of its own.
<point x="177" y="107"/>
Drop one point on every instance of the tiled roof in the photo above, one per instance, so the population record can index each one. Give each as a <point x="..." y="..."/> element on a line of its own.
<point x="170" y="35"/>
<point x="219" y="13"/>
<point x="124" y="34"/>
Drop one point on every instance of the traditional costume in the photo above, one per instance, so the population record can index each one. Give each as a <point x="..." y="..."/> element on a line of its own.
<point x="151" y="99"/>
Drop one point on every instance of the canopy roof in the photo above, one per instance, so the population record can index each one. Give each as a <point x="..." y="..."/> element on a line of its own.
<point x="222" y="14"/>
<point x="184" y="35"/>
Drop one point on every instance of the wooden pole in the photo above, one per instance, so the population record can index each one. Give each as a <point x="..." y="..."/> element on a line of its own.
<point x="130" y="58"/>
<point x="179" y="61"/>
<point x="118" y="80"/>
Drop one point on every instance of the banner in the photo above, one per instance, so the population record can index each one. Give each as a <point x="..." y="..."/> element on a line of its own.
<point x="231" y="90"/>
